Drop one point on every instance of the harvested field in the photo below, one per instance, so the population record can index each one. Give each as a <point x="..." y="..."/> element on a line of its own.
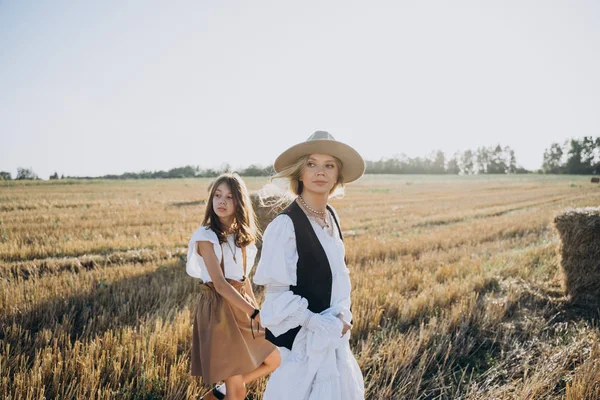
<point x="457" y="288"/>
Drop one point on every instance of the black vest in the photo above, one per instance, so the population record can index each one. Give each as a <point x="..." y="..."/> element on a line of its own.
<point x="313" y="271"/>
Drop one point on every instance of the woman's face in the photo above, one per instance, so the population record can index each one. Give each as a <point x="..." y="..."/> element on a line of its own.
<point x="223" y="202"/>
<point x="320" y="173"/>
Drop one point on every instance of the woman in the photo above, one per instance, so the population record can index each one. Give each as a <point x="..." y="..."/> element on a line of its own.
<point x="306" y="311"/>
<point x="226" y="345"/>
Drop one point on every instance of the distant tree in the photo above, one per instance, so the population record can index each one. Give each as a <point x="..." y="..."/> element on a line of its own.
<point x="26" y="173"/>
<point x="54" y="176"/>
<point x="482" y="159"/>
<point x="62" y="176"/>
<point x="496" y="163"/>
<point x="182" y="172"/>
<point x="438" y="163"/>
<point x="160" y="175"/>
<point x="575" y="156"/>
<point x="371" y="167"/>
<point x="392" y="165"/>
<point x="575" y="164"/>
<point x="588" y="154"/>
<point x="466" y="161"/>
<point x="255" y="170"/>
<point x="210" y="173"/>
<point x="453" y="164"/>
<point x="5" y="176"/>
<point x="512" y="160"/>
<point x="553" y="157"/>
<point x="418" y="165"/>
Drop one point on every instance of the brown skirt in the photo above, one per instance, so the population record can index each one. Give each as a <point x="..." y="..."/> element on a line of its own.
<point x="222" y="342"/>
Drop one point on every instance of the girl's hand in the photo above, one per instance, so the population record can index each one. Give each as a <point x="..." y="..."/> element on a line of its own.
<point x="347" y="326"/>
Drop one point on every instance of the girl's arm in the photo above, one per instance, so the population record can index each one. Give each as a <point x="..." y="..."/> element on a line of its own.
<point x="206" y="250"/>
<point x="257" y="318"/>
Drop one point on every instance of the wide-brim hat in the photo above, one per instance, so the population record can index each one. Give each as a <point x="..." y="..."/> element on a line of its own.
<point x="321" y="142"/>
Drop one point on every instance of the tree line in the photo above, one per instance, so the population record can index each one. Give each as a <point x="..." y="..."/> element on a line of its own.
<point x="189" y="171"/>
<point x="483" y="160"/>
<point x="574" y="156"/>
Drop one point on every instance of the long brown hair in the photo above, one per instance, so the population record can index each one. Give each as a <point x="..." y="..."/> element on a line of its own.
<point x="244" y="219"/>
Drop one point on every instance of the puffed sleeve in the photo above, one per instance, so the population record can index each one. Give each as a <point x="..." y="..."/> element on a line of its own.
<point x="195" y="262"/>
<point x="282" y="310"/>
<point x="277" y="265"/>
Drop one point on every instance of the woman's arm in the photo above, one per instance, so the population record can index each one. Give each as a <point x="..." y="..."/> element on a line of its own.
<point x="206" y="250"/>
<point x="283" y="310"/>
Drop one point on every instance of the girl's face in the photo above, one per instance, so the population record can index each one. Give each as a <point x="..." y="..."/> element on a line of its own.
<point x="320" y="173"/>
<point x="223" y="203"/>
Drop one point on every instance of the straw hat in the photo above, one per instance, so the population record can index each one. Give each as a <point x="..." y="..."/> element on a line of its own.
<point x="322" y="142"/>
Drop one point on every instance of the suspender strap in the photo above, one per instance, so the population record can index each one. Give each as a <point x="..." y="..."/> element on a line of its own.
<point x="245" y="261"/>
<point x="222" y="259"/>
<point x="336" y="222"/>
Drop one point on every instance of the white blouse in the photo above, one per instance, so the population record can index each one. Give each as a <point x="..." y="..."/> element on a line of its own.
<point x="320" y="365"/>
<point x="196" y="268"/>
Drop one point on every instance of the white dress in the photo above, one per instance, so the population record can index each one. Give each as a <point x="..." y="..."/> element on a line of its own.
<point x="196" y="268"/>
<point x="320" y="365"/>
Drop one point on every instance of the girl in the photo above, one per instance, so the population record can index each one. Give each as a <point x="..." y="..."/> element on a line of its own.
<point x="306" y="311"/>
<point x="225" y="344"/>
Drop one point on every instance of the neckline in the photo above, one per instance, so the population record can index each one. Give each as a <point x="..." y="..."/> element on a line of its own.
<point x="295" y="205"/>
<point x="323" y="228"/>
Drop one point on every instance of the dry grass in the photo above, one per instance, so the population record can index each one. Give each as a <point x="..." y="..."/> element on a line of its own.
<point x="457" y="290"/>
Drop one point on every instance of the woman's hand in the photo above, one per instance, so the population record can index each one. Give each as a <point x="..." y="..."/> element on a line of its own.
<point x="347" y="326"/>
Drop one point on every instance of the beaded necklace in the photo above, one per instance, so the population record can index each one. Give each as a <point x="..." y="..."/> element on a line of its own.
<point x="312" y="210"/>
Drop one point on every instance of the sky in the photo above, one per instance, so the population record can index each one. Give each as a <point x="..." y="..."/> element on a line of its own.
<point x="106" y="87"/>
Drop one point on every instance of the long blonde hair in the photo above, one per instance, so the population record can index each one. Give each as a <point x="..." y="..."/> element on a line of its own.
<point x="244" y="220"/>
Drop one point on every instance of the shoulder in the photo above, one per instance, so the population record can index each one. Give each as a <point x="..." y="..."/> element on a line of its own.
<point x="281" y="225"/>
<point x="279" y="256"/>
<point x="205" y="234"/>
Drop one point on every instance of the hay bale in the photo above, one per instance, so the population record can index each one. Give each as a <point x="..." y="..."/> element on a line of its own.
<point x="595" y="180"/>
<point x="579" y="231"/>
<point x="266" y="210"/>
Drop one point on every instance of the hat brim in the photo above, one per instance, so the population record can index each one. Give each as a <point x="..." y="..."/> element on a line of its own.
<point x="353" y="164"/>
